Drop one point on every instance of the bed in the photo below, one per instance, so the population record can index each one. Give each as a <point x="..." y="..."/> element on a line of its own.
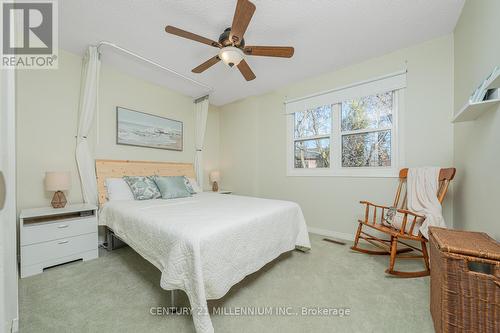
<point x="202" y="244"/>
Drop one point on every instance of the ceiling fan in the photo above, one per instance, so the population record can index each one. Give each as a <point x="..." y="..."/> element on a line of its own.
<point x="232" y="44"/>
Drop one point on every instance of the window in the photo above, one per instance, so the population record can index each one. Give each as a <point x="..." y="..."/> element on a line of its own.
<point x="353" y="132"/>
<point x="366" y="126"/>
<point x="312" y="129"/>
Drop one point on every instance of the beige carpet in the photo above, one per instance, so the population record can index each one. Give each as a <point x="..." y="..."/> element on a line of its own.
<point x="116" y="292"/>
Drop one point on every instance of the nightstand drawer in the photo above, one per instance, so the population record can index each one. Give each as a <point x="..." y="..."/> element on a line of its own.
<point x="47" y="231"/>
<point x="37" y="253"/>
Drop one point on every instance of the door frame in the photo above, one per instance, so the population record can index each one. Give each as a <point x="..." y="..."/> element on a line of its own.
<point x="9" y="305"/>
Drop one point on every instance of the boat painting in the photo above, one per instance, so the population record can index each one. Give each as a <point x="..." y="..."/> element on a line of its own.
<point x="136" y="128"/>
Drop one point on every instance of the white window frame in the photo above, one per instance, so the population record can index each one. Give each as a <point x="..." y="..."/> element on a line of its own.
<point x="381" y="85"/>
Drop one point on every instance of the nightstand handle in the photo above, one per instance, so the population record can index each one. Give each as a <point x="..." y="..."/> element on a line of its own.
<point x="63" y="226"/>
<point x="62" y="242"/>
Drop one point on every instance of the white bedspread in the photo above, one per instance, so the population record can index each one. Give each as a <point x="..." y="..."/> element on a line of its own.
<point x="207" y="243"/>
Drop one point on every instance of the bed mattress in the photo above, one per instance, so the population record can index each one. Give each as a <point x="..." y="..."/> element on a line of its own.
<point x="207" y="243"/>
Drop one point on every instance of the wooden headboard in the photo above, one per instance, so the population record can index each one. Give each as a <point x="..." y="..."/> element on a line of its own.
<point x="117" y="169"/>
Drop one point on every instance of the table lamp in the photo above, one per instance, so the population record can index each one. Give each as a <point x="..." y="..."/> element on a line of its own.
<point x="214" y="178"/>
<point x="57" y="181"/>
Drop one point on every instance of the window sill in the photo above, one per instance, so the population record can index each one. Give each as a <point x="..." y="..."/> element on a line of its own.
<point x="358" y="172"/>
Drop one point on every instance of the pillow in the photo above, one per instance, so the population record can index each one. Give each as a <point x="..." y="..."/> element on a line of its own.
<point x="172" y="187"/>
<point x="118" y="189"/>
<point x="143" y="188"/>
<point x="192" y="185"/>
<point x="394" y="219"/>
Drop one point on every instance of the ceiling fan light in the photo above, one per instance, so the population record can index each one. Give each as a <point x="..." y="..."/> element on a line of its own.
<point x="231" y="55"/>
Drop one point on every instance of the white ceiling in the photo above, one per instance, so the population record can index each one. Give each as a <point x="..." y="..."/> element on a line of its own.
<point x="326" y="34"/>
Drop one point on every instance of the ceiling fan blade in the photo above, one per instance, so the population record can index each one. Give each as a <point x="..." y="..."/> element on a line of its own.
<point x="270" y="51"/>
<point x="242" y="16"/>
<point x="246" y="71"/>
<point x="189" y="35"/>
<point x="206" y="65"/>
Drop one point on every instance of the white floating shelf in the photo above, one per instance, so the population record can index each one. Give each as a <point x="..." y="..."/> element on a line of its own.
<point x="494" y="84"/>
<point x="471" y="111"/>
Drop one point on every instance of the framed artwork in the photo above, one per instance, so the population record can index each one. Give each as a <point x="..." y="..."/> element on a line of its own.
<point x="140" y="129"/>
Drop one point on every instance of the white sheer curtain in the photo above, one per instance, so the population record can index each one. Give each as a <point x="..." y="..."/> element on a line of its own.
<point x="87" y="112"/>
<point x="200" y="121"/>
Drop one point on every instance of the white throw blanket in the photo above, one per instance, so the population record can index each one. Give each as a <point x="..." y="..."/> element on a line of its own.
<point x="422" y="186"/>
<point x="207" y="243"/>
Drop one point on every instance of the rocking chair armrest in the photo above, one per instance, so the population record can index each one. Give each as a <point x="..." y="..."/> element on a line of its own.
<point x="405" y="211"/>
<point x="369" y="204"/>
<point x="372" y="204"/>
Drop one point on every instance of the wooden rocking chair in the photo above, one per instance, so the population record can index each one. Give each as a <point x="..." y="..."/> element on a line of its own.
<point x="390" y="246"/>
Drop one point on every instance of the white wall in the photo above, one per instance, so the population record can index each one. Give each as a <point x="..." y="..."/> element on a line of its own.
<point x="239" y="148"/>
<point x="477" y="52"/>
<point x="253" y="137"/>
<point x="47" y="115"/>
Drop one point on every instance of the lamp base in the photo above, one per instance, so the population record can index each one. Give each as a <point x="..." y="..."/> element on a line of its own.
<point x="59" y="200"/>
<point x="215" y="187"/>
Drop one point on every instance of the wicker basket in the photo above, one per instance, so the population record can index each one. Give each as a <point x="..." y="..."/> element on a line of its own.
<point x="465" y="281"/>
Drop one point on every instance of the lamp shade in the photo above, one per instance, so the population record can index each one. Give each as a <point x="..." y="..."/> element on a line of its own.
<point x="57" y="181"/>
<point x="215" y="176"/>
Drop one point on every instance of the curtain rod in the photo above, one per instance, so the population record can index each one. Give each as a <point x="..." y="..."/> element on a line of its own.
<point x="201" y="99"/>
<point x="347" y="86"/>
<point x="113" y="45"/>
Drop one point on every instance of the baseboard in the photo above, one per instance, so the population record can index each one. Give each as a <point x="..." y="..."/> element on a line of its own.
<point x="331" y="233"/>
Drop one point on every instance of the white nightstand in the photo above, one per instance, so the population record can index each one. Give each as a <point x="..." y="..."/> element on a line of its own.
<point x="51" y="236"/>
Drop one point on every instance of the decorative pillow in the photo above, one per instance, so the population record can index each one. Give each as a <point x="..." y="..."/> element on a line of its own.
<point x="172" y="187"/>
<point x="395" y="219"/>
<point x="192" y="185"/>
<point x="143" y="188"/>
<point x="118" y="189"/>
<point x="389" y="215"/>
